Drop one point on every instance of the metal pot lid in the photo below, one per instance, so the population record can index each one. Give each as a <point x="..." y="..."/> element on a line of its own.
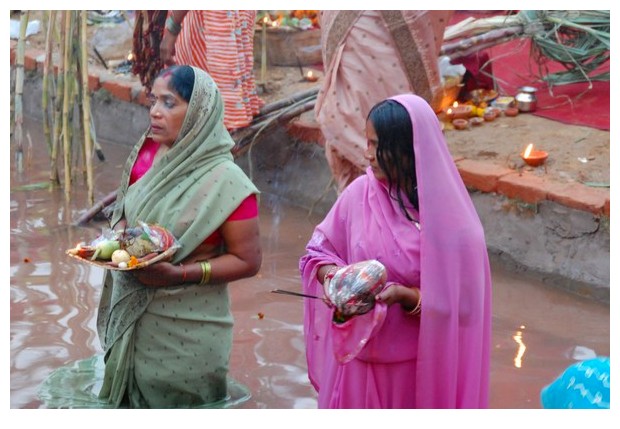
<point x="527" y="89"/>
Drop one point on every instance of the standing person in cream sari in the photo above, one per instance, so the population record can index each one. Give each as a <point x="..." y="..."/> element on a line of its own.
<point x="166" y="329"/>
<point x="370" y="55"/>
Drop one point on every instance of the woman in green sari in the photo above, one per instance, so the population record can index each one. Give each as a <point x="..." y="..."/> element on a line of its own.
<point x="167" y="329"/>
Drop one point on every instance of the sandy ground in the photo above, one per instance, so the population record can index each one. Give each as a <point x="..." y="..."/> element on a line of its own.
<point x="576" y="153"/>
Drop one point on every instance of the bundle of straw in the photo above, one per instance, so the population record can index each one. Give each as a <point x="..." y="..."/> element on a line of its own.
<point x="577" y="39"/>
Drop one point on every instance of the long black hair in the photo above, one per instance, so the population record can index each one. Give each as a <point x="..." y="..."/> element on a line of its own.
<point x="181" y="80"/>
<point x="395" y="153"/>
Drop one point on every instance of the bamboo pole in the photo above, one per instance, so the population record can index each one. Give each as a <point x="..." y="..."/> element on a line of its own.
<point x="19" y="88"/>
<point x="86" y="107"/>
<point x="65" y="106"/>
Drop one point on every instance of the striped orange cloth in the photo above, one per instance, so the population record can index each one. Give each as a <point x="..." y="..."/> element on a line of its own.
<point x="221" y="42"/>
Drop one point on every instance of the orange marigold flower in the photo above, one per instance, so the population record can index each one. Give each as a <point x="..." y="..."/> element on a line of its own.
<point x="133" y="261"/>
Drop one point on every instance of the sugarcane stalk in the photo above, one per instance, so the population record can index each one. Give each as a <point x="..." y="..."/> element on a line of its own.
<point x="86" y="108"/>
<point x="57" y="122"/>
<point x="19" y="89"/>
<point x="65" y="107"/>
<point x="46" y="81"/>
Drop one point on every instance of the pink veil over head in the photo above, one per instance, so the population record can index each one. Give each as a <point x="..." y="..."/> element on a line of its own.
<point x="455" y="327"/>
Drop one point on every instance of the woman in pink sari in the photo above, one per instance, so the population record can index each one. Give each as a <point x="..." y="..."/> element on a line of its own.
<point x="426" y="342"/>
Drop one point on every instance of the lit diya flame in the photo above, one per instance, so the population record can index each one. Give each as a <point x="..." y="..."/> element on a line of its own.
<point x="130" y="56"/>
<point x="311" y="77"/>
<point x="450" y="112"/>
<point x="533" y="157"/>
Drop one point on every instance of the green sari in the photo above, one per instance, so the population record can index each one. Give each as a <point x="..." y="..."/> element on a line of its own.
<point x="170" y="347"/>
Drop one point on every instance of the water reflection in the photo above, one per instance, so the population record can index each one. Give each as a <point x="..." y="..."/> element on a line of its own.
<point x="54" y="303"/>
<point x="518" y="337"/>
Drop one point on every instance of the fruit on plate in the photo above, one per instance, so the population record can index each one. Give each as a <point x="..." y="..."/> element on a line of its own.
<point x="104" y="249"/>
<point x="120" y="255"/>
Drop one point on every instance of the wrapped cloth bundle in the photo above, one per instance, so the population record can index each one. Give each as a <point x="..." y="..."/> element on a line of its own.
<point x="353" y="288"/>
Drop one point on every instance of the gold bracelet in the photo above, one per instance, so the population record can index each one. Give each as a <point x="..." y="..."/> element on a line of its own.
<point x="418" y="308"/>
<point x="206" y="272"/>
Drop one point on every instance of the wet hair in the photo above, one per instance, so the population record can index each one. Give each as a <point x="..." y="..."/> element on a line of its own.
<point x="181" y="80"/>
<point x="395" y="153"/>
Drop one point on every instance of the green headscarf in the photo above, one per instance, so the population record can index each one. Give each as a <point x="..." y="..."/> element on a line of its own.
<point x="190" y="190"/>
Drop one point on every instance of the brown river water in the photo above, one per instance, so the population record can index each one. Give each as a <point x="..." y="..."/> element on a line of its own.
<point x="538" y="330"/>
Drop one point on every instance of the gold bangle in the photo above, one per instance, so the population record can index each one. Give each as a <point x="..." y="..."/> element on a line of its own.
<point x="206" y="272"/>
<point x="418" y="308"/>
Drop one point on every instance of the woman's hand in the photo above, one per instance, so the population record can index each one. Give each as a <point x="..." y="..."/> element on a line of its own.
<point x="407" y="297"/>
<point x="166" y="48"/>
<point x="160" y="274"/>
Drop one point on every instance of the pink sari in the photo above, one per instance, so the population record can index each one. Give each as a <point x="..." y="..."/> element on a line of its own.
<point x="387" y="358"/>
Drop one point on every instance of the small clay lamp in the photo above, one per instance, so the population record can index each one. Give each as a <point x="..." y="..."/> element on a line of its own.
<point x="476" y="121"/>
<point x="310" y="77"/>
<point x="511" y="112"/>
<point x="458" y="111"/>
<point x="534" y="158"/>
<point x="490" y="113"/>
<point x="460" y="124"/>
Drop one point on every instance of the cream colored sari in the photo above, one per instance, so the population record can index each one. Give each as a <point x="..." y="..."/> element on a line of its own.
<point x="369" y="56"/>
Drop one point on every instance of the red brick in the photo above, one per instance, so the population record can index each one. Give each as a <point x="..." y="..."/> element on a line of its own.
<point x="118" y="89"/>
<point x="524" y="186"/>
<point x="606" y="211"/>
<point x="93" y="82"/>
<point x="578" y="196"/>
<point x="481" y="175"/>
<point x="13" y="51"/>
<point x="308" y="131"/>
<point x="30" y="58"/>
